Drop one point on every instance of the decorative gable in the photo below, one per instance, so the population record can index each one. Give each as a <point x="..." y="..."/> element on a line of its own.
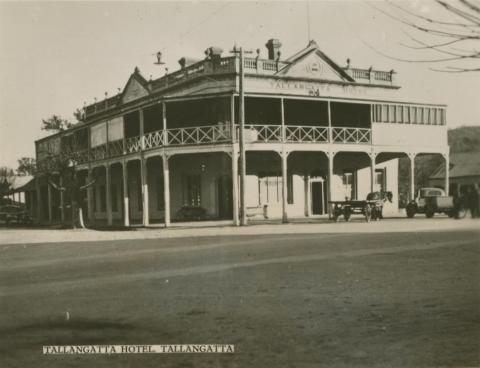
<point x="135" y="88"/>
<point x="311" y="62"/>
<point x="313" y="65"/>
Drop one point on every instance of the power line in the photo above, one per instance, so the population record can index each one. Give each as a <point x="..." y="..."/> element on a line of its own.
<point x="308" y="21"/>
<point x="186" y="33"/>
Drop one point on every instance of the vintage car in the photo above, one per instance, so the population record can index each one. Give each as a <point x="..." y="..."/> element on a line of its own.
<point x="430" y="201"/>
<point x="14" y="214"/>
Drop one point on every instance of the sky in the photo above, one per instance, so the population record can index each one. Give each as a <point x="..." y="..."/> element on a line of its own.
<point x="56" y="56"/>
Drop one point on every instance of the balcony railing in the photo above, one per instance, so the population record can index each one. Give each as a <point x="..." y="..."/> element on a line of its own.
<point x="263" y="133"/>
<point x="304" y="134"/>
<point x="98" y="152"/>
<point x="199" y="135"/>
<point x="133" y="144"/>
<point x="153" y="140"/>
<point x="221" y="133"/>
<point x="373" y="76"/>
<point x="351" y="135"/>
<point x="115" y="148"/>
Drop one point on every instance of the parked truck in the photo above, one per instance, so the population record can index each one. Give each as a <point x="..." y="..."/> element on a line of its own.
<point x="430" y="201"/>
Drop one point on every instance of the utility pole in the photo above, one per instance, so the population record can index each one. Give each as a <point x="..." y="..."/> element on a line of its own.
<point x="243" y="212"/>
<point x="243" y="171"/>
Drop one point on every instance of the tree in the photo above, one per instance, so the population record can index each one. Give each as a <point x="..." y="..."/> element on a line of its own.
<point x="26" y="166"/>
<point x="450" y="40"/>
<point x="6" y="178"/>
<point x="55" y="123"/>
<point x="60" y="162"/>
<point x="79" y="114"/>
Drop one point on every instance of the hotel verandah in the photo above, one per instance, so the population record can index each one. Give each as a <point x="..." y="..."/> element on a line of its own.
<point x="164" y="149"/>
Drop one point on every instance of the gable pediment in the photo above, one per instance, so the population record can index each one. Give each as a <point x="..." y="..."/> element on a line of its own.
<point x="135" y="88"/>
<point x="314" y="64"/>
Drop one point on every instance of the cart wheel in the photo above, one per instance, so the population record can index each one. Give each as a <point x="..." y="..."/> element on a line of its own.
<point x="429" y="212"/>
<point x="461" y="213"/>
<point x="368" y="213"/>
<point x="336" y="213"/>
<point x="410" y="211"/>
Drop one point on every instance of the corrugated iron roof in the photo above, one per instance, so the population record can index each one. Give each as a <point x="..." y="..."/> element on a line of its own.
<point x="19" y="183"/>
<point x="461" y="165"/>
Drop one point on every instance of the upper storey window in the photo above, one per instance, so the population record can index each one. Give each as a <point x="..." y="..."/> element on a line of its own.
<point x="407" y="114"/>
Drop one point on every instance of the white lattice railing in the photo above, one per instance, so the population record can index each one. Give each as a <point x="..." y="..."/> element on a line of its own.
<point x="133" y="144"/>
<point x="351" y="135"/>
<point x="115" y="148"/>
<point x="199" y="135"/>
<point x="303" y="134"/>
<point x="221" y="133"/>
<point x="263" y="133"/>
<point x="154" y="139"/>
<point x="98" y="153"/>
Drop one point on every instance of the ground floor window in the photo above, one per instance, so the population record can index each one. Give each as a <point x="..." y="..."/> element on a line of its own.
<point x="269" y="187"/>
<point x="290" y="189"/>
<point x="160" y="195"/>
<point x="94" y="194"/>
<point x="114" y="197"/>
<point x="349" y="184"/>
<point x="139" y="195"/>
<point x="192" y="190"/>
<point x="380" y="180"/>
<point x="103" y="199"/>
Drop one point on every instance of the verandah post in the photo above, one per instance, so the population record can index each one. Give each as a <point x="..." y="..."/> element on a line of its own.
<point x="412" y="175"/>
<point x="284" y="157"/>
<point x="234" y="162"/>
<point x="331" y="156"/>
<point x="373" y="156"/>
<point x="166" y="169"/>
<point x="108" y="194"/>
<point x="126" y="209"/>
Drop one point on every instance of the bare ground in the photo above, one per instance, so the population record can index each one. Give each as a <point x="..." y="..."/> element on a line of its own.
<point x="304" y="300"/>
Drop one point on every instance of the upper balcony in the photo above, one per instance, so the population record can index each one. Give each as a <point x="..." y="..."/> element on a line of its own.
<point x="220" y="134"/>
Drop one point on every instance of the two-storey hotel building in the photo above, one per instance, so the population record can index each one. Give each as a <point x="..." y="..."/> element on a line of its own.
<point x="167" y="149"/>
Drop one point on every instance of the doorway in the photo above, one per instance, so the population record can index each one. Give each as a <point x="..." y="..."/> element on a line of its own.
<point x="317" y="195"/>
<point x="224" y="190"/>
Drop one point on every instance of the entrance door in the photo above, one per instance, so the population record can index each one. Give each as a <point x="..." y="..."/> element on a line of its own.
<point x="317" y="198"/>
<point x="224" y="190"/>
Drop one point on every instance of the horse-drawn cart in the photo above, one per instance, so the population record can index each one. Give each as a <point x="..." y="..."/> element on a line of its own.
<point x="371" y="208"/>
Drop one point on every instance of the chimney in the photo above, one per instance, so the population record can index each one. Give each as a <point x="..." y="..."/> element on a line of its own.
<point x="186" y="61"/>
<point x="273" y="46"/>
<point x="182" y="62"/>
<point x="213" y="52"/>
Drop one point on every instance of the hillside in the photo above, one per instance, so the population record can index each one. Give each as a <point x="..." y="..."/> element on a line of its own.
<point x="464" y="139"/>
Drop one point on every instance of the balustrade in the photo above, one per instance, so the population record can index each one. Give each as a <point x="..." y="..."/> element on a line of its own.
<point x="154" y="139"/>
<point x="351" y="135"/>
<point x="199" y="135"/>
<point x="98" y="152"/>
<point x="115" y="148"/>
<point x="265" y="133"/>
<point x="133" y="144"/>
<point x="221" y="133"/>
<point x="304" y="134"/>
